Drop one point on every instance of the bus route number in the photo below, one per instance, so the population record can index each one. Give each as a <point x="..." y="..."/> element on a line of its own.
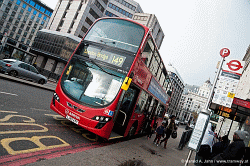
<point x="118" y="60"/>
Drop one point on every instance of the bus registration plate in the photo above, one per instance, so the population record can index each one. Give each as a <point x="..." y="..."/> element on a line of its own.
<point x="72" y="119"/>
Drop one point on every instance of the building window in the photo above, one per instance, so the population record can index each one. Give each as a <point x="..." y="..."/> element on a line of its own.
<point x="16" y="23"/>
<point x="9" y="4"/>
<point x="16" y="8"/>
<point x="25" y="34"/>
<point x="99" y="6"/>
<point x="32" y="17"/>
<point x="105" y="1"/>
<point x="17" y="37"/>
<point x="28" y="42"/>
<point x="88" y="21"/>
<point x="23" y="39"/>
<point x="20" y="31"/>
<point x="93" y="13"/>
<point x="84" y="29"/>
<point x="18" y="2"/>
<point x="107" y="13"/>
<point x="10" y="19"/>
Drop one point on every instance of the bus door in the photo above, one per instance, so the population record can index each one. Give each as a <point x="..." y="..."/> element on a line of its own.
<point x="126" y="110"/>
<point x="152" y="108"/>
<point x="143" y="113"/>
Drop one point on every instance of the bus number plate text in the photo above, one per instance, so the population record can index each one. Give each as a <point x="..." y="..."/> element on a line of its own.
<point x="72" y="119"/>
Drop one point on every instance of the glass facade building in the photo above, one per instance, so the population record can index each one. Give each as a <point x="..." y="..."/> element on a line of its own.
<point x="20" y="20"/>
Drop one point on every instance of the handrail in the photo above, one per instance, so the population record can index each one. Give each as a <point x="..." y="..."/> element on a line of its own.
<point x="124" y="118"/>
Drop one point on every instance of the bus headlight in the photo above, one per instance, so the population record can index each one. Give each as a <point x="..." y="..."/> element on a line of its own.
<point x="102" y="121"/>
<point x="55" y="98"/>
<point x="102" y="118"/>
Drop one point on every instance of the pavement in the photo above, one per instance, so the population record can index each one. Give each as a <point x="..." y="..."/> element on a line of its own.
<point x="137" y="151"/>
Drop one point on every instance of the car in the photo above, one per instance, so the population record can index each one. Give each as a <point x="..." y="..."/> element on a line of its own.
<point x="21" y="69"/>
<point x="3" y="67"/>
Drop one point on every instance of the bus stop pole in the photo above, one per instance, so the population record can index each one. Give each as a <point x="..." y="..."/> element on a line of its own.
<point x="207" y="105"/>
<point x="189" y="156"/>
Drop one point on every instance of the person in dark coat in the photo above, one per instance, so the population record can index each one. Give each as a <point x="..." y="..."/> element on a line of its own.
<point x="235" y="151"/>
<point x="152" y="127"/>
<point x="159" y="133"/>
<point x="219" y="147"/>
<point x="170" y="128"/>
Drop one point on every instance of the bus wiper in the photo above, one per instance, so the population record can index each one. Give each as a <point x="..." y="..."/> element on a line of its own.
<point x="103" y="69"/>
<point x="107" y="42"/>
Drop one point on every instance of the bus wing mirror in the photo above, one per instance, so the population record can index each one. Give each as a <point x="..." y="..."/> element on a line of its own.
<point x="126" y="83"/>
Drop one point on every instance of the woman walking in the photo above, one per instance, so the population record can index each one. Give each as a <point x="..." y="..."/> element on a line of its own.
<point x="170" y="128"/>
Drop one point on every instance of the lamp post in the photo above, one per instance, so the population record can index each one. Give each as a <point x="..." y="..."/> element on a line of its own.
<point x="3" y="42"/>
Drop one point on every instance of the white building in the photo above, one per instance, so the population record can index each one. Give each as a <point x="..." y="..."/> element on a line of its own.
<point x="194" y="99"/>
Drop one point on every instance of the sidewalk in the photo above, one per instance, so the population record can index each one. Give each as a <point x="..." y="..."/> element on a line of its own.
<point x="48" y="86"/>
<point x="139" y="151"/>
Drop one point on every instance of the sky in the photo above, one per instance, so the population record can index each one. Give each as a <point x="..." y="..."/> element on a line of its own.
<point x="195" y="32"/>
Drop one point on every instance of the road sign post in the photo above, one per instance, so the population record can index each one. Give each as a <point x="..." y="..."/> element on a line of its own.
<point x="195" y="140"/>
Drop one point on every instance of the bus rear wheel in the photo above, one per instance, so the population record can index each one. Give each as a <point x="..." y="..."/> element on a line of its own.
<point x="131" y="132"/>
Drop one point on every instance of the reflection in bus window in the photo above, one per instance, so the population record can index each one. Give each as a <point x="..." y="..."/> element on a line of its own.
<point x="160" y="110"/>
<point x="140" y="106"/>
<point x="148" y="52"/>
<point x="117" y="33"/>
<point x="87" y="83"/>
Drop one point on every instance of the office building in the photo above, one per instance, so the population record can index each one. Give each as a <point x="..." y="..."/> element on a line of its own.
<point x="177" y="88"/>
<point x="75" y="17"/>
<point x="150" y="20"/>
<point x="20" y="20"/>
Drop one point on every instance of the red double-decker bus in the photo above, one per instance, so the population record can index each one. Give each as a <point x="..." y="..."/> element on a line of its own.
<point x="114" y="81"/>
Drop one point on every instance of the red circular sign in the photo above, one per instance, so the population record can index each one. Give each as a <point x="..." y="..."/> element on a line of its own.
<point x="224" y="52"/>
<point x="234" y="65"/>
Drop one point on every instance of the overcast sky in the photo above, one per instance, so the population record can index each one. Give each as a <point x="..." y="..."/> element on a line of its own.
<point x="195" y="32"/>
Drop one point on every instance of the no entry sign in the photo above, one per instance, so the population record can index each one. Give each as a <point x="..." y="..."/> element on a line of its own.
<point x="224" y="52"/>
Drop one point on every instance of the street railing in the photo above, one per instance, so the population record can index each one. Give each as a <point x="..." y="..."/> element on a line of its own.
<point x="50" y="75"/>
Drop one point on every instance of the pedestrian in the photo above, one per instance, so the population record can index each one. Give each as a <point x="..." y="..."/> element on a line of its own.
<point x="234" y="152"/>
<point x="159" y="134"/>
<point x="187" y="126"/>
<point x="205" y="150"/>
<point x="220" y="146"/>
<point x="152" y="128"/>
<point x="169" y="129"/>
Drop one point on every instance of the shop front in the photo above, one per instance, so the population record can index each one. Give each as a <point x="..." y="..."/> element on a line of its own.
<point x="231" y="119"/>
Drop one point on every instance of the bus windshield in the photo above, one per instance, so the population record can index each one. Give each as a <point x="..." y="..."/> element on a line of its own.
<point x="117" y="33"/>
<point x="89" y="83"/>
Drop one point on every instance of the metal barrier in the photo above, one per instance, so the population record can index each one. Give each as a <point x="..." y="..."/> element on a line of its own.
<point x="50" y="75"/>
<point x="185" y="138"/>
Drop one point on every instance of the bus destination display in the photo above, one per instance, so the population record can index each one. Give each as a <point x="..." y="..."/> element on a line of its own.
<point x="104" y="56"/>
